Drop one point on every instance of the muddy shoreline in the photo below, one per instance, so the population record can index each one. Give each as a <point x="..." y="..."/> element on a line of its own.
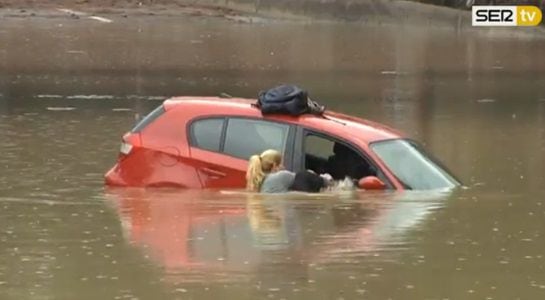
<point x="119" y="9"/>
<point x="246" y="11"/>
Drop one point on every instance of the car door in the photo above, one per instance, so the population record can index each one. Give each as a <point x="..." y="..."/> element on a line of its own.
<point x="222" y="146"/>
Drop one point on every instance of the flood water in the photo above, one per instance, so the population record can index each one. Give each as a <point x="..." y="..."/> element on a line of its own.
<point x="70" y="88"/>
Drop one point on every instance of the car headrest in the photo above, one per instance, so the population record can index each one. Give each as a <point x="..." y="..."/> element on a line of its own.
<point x="340" y="149"/>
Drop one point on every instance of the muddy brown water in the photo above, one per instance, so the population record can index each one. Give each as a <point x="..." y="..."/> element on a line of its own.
<point x="70" y="88"/>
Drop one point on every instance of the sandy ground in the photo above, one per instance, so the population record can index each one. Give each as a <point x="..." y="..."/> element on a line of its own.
<point x="125" y="8"/>
<point x="108" y="4"/>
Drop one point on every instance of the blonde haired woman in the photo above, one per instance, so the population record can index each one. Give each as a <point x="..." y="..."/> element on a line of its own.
<point x="266" y="174"/>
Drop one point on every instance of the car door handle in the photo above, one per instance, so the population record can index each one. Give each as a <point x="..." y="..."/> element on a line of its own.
<point x="213" y="172"/>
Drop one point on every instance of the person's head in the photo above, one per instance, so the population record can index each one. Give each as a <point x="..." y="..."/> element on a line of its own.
<point x="259" y="166"/>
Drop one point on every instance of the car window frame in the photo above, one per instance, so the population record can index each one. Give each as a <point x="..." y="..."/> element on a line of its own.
<point x="299" y="163"/>
<point x="288" y="155"/>
<point x="192" y="139"/>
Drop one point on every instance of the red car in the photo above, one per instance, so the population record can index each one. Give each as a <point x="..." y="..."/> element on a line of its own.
<point x="205" y="142"/>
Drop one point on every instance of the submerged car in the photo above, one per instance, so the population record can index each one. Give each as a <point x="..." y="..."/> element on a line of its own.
<point x="205" y="142"/>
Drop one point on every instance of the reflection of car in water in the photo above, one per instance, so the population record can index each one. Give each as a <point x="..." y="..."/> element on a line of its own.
<point x="206" y="142"/>
<point x="221" y="235"/>
<point x="387" y="227"/>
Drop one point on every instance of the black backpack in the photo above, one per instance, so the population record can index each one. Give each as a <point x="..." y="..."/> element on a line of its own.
<point x="287" y="99"/>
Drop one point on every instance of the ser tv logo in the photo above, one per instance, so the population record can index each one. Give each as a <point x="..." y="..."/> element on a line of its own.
<point x="505" y="15"/>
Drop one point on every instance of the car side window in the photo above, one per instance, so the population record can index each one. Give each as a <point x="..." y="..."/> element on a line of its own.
<point x="246" y="137"/>
<point x="327" y="155"/>
<point x="318" y="146"/>
<point x="206" y="134"/>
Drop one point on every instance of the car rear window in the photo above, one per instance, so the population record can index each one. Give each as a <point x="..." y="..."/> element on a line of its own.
<point x="152" y="116"/>
<point x="206" y="134"/>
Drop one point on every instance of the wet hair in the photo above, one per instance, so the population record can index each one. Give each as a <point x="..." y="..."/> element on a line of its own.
<point x="259" y="166"/>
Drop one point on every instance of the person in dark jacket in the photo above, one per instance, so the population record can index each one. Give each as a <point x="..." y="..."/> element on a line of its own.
<point x="310" y="182"/>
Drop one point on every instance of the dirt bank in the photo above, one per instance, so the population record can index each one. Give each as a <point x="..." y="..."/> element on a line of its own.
<point x="124" y="8"/>
<point x="89" y="3"/>
<point x="245" y="10"/>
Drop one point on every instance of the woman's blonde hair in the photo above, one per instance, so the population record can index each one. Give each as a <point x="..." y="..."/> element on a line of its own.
<point x="259" y="166"/>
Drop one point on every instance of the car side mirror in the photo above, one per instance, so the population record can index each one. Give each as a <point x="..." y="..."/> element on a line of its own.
<point x="371" y="183"/>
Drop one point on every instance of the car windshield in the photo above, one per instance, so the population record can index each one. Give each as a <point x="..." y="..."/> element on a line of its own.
<point x="412" y="166"/>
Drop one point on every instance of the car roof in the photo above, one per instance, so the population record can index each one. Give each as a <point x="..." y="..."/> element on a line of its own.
<point x="341" y="125"/>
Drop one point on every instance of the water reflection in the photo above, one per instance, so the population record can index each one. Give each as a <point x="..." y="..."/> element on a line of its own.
<point x="229" y="236"/>
<point x="273" y="225"/>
